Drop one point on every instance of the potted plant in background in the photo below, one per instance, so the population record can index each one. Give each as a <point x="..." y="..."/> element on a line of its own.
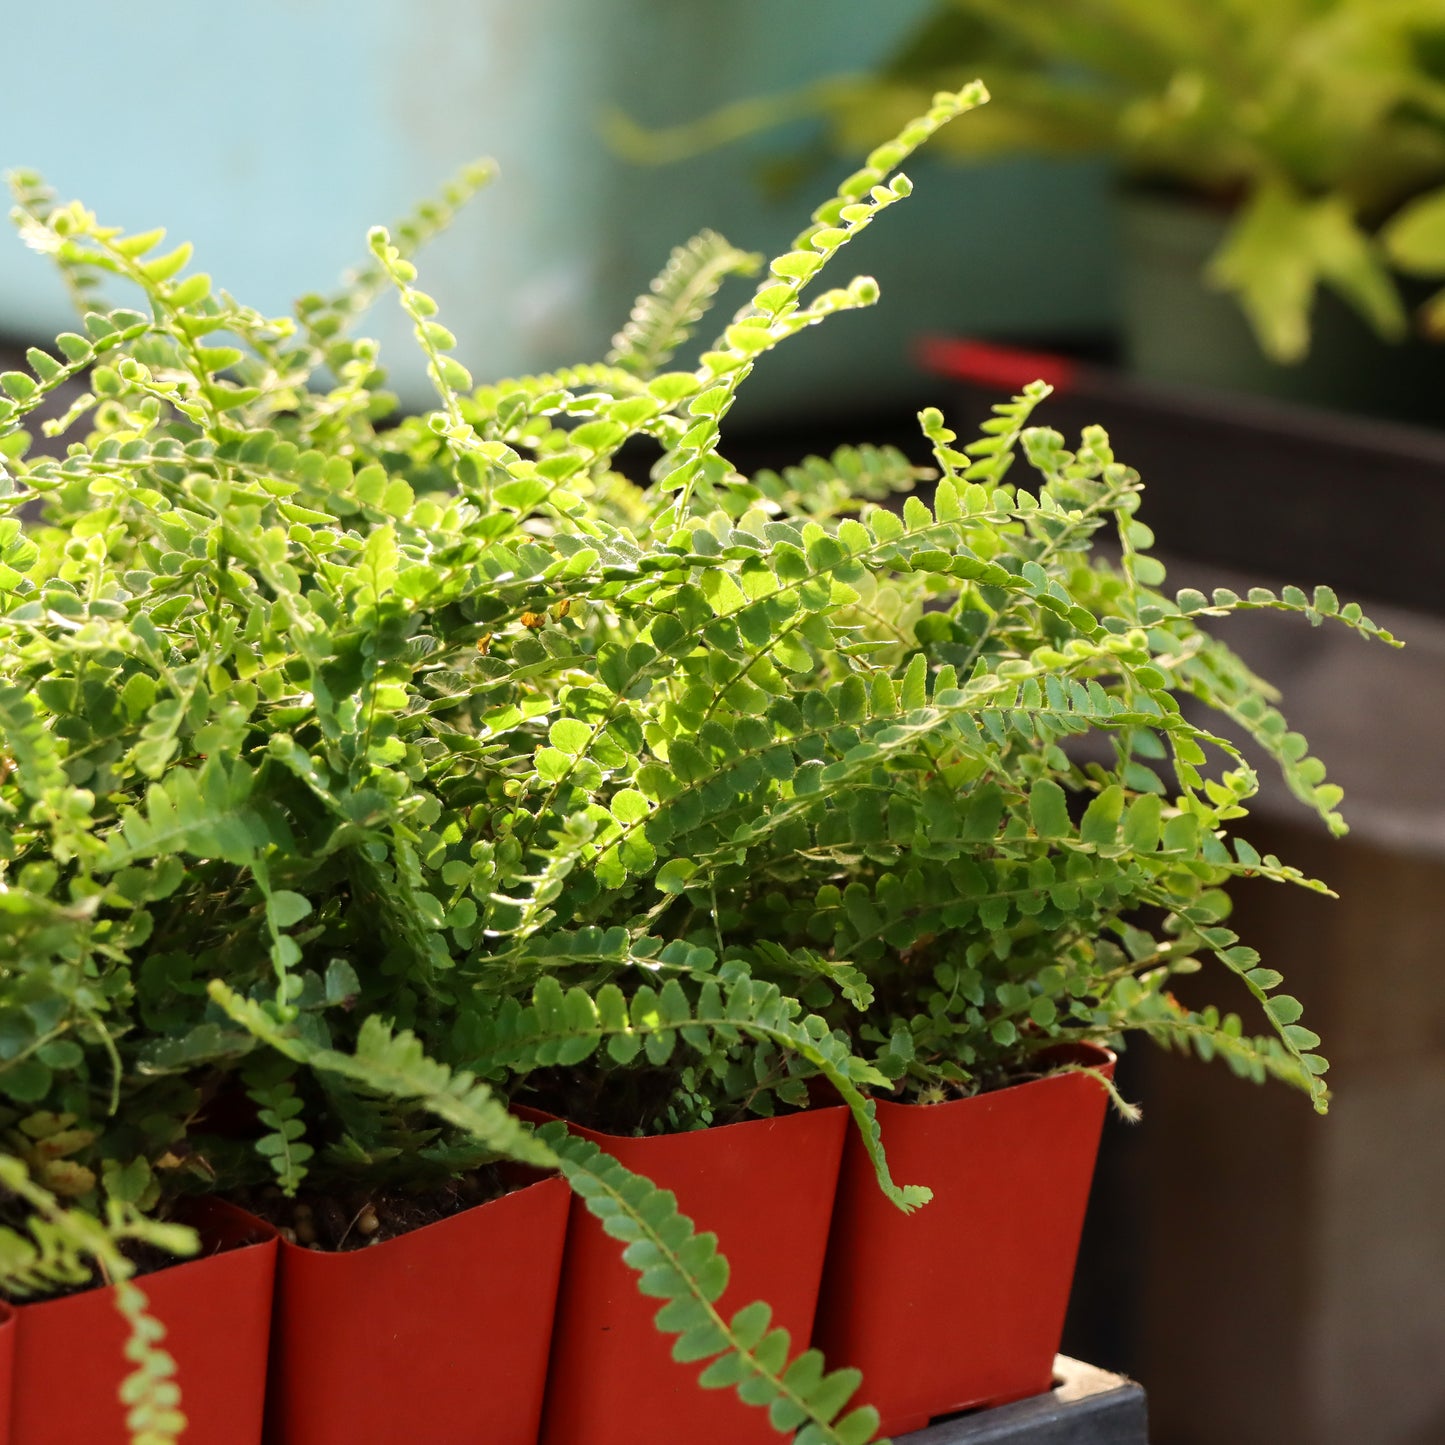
<point x="433" y="765"/>
<point x="1269" y="152"/>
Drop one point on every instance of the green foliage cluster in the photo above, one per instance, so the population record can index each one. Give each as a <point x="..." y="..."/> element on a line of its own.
<point x="1319" y="124"/>
<point x="359" y="773"/>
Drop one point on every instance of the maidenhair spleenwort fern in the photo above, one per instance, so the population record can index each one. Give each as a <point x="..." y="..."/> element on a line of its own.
<point x="379" y="770"/>
<point x="674" y="1263"/>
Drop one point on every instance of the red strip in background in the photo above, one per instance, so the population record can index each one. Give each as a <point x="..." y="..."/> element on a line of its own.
<point x="1005" y="367"/>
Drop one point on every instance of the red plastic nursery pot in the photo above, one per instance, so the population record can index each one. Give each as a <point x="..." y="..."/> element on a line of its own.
<point x="7" y="1356"/>
<point x="68" y="1354"/>
<point x="962" y="1303"/>
<point x="765" y="1188"/>
<point x="437" y="1336"/>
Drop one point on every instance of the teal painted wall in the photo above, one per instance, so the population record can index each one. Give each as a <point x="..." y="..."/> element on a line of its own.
<point x="272" y="134"/>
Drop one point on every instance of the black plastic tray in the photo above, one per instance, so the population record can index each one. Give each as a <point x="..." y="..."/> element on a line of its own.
<point x="1087" y="1406"/>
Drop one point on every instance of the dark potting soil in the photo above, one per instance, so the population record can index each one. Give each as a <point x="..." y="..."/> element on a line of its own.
<point x="356" y="1219"/>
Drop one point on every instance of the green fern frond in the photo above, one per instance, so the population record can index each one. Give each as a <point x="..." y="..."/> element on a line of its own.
<point x="774" y="312"/>
<point x="270" y="1087"/>
<point x="840" y="484"/>
<point x="394" y="1064"/>
<point x="568" y="1026"/>
<point x="23" y="392"/>
<point x="1211" y="1035"/>
<point x="664" y="317"/>
<point x="805" y="965"/>
<point x="989" y="458"/>
<point x="521" y="409"/>
<point x="179" y="370"/>
<point x="44" y="1259"/>
<point x="35" y="205"/>
<point x="35" y="759"/>
<point x="568" y="383"/>
<point x="326" y="319"/>
<point x="448" y="376"/>
<point x="1305" y="1068"/>
<point x="205" y="813"/>
<point x="1323" y="605"/>
<point x="1221" y="680"/>
<point x="36" y="765"/>
<point x="150" y="1392"/>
